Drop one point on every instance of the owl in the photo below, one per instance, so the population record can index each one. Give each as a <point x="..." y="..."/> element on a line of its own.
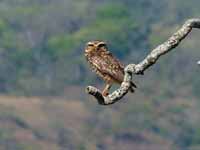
<point x="105" y="65"/>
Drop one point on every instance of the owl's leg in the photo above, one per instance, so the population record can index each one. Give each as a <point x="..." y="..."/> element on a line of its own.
<point x="106" y="90"/>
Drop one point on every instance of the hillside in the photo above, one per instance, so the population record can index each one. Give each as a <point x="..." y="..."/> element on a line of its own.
<point x="57" y="124"/>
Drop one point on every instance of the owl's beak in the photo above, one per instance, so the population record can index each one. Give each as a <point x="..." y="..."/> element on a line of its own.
<point x="88" y="50"/>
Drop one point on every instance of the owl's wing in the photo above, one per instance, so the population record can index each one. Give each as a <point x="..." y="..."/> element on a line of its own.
<point x="109" y="65"/>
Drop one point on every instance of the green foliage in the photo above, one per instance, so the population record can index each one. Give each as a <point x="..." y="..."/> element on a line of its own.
<point x="3" y="25"/>
<point x="112" y="11"/>
<point x="60" y="46"/>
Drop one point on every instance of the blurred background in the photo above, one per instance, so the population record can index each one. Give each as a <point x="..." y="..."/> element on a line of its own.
<point x="43" y="75"/>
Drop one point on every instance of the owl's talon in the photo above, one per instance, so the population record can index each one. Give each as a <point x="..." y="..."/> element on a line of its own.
<point x="106" y="90"/>
<point x="105" y="93"/>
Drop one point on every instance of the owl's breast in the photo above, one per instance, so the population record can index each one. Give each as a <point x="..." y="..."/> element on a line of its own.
<point x="94" y="61"/>
<point x="90" y="60"/>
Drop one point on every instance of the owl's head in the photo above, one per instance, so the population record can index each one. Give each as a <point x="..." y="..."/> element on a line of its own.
<point x="94" y="46"/>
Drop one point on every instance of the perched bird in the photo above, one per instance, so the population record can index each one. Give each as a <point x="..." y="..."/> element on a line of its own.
<point x="105" y="65"/>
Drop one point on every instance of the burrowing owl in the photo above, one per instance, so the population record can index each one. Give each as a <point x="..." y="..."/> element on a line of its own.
<point x="105" y="65"/>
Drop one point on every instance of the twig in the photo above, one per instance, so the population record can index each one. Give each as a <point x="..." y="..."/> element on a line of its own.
<point x="198" y="63"/>
<point x="151" y="59"/>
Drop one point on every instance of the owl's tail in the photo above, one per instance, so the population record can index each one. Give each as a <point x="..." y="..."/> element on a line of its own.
<point x="132" y="87"/>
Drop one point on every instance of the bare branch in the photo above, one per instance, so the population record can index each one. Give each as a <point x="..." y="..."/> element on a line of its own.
<point x="151" y="59"/>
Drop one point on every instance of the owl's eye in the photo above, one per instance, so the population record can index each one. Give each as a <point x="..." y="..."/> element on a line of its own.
<point x="102" y="45"/>
<point x="90" y="45"/>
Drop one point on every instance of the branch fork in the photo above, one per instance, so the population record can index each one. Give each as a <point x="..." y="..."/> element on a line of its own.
<point x="150" y="60"/>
